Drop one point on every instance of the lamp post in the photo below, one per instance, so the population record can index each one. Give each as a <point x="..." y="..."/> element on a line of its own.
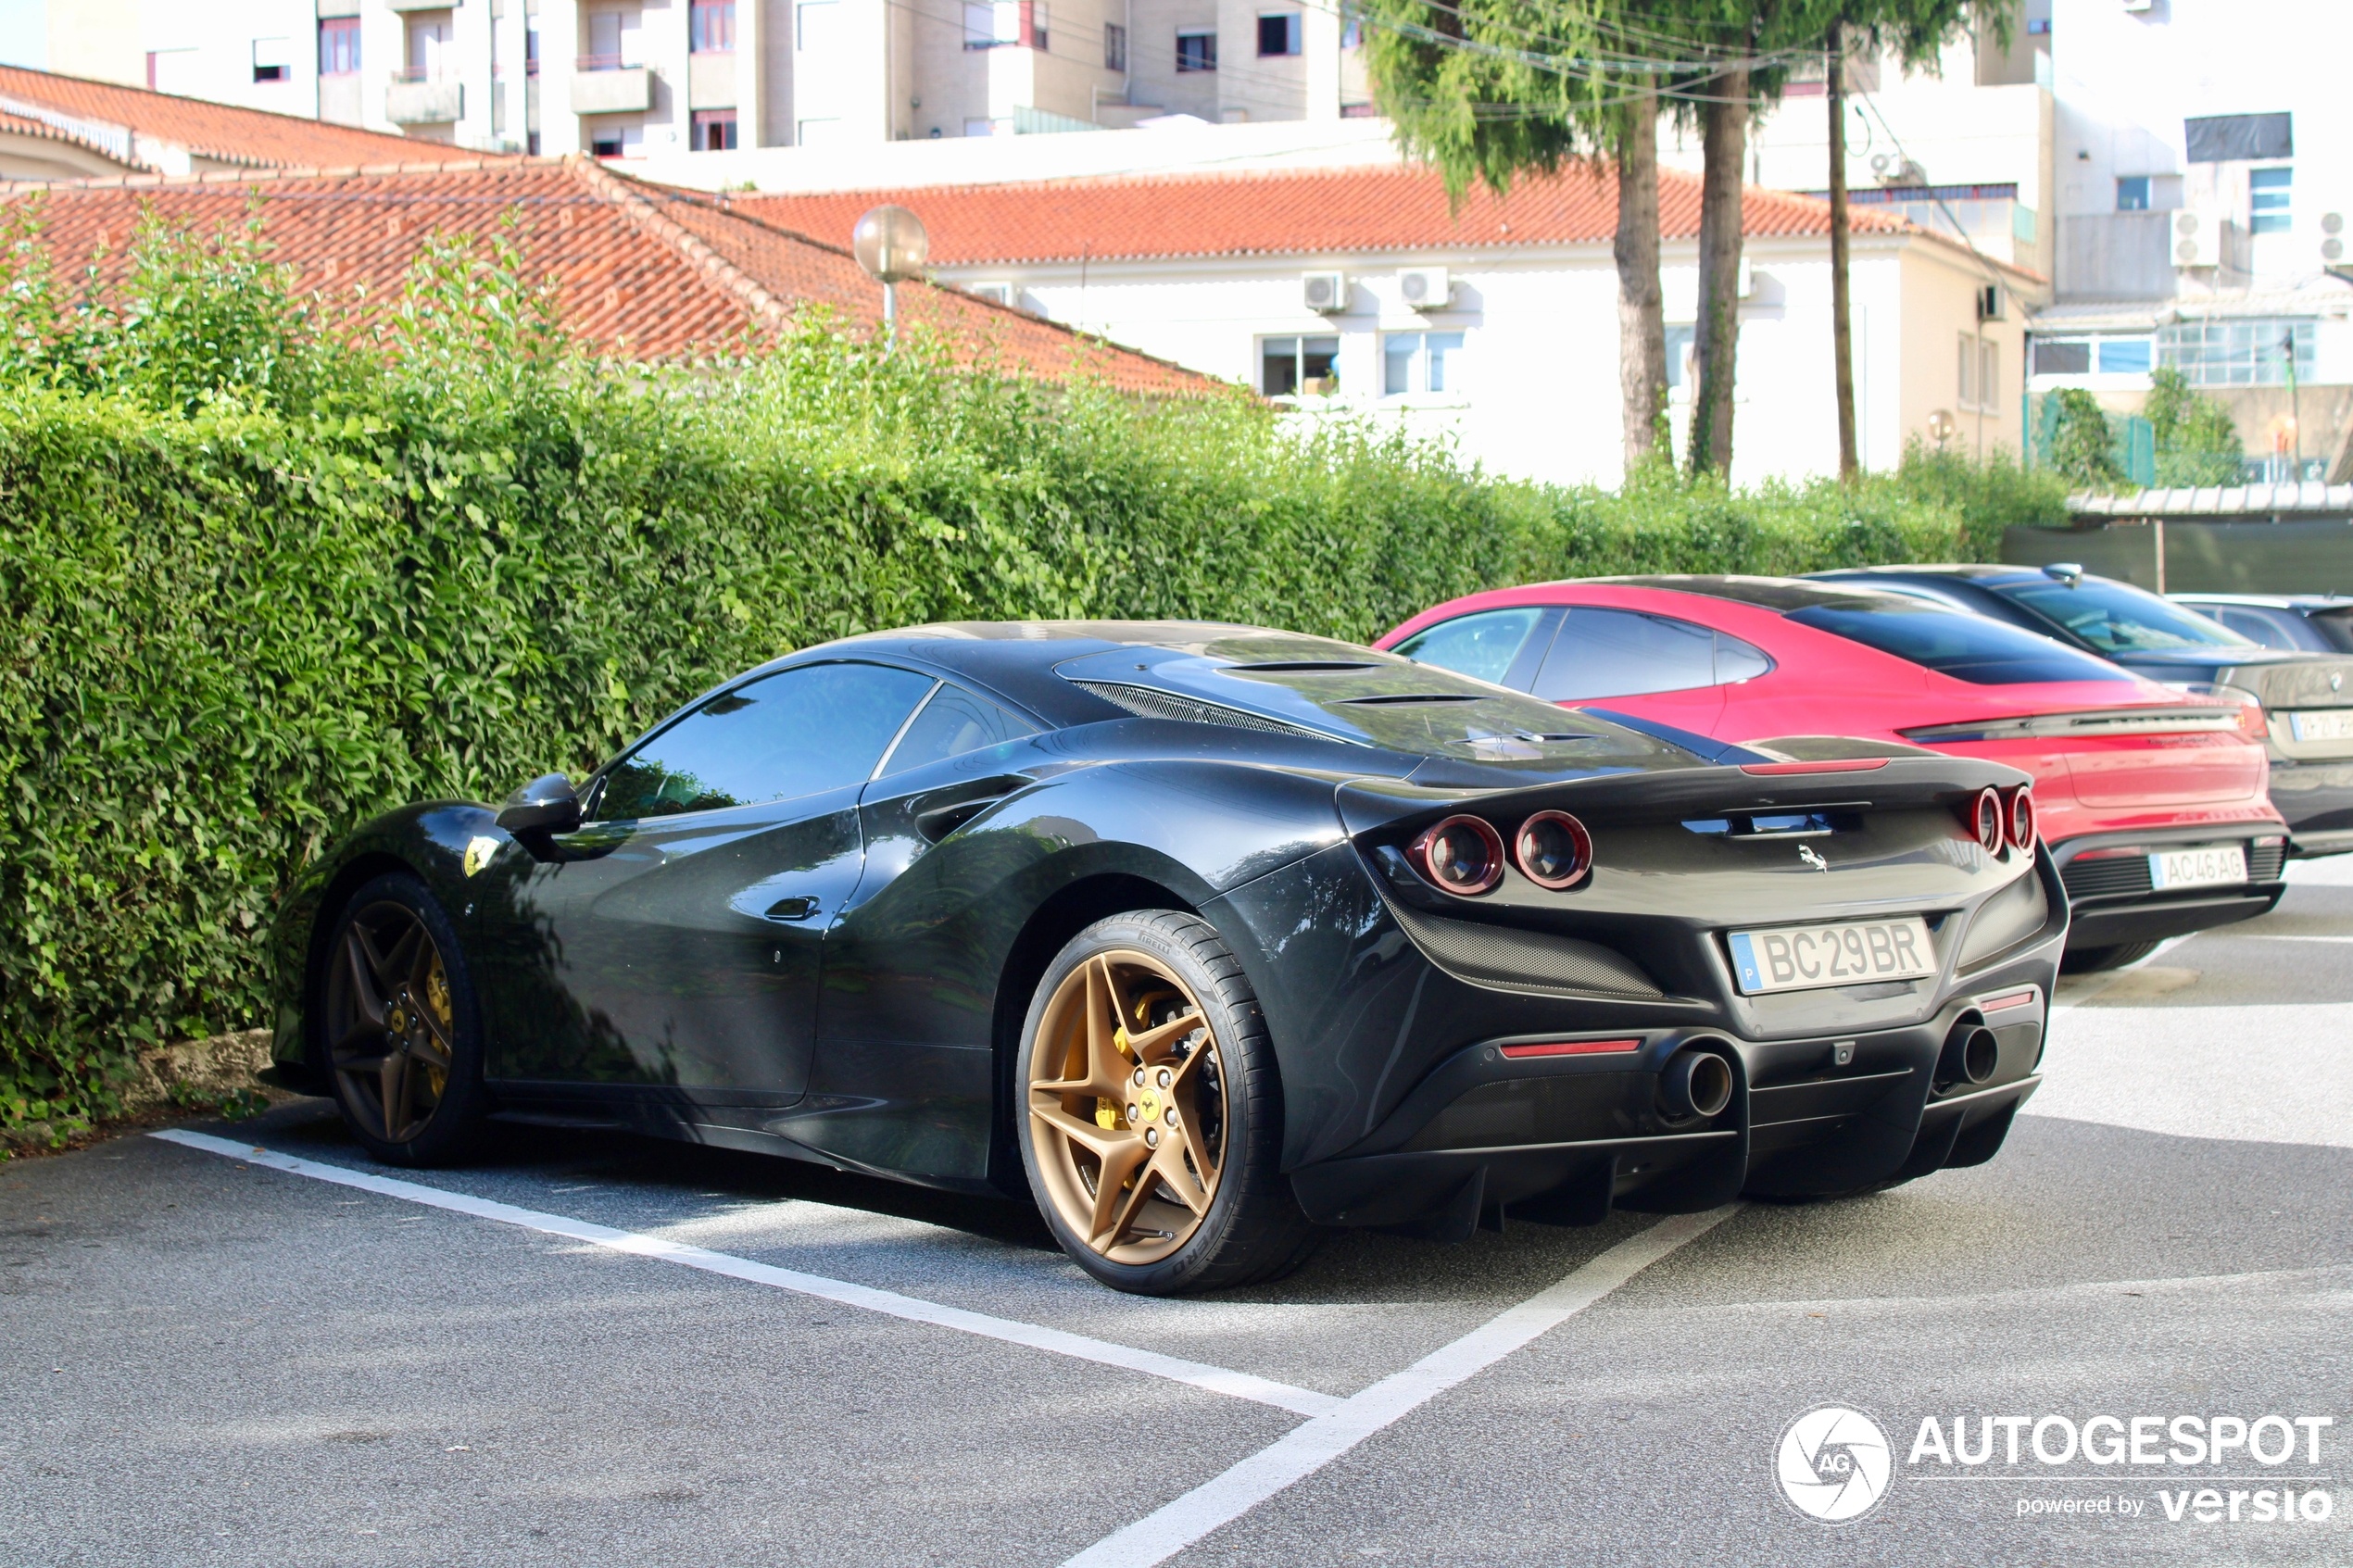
<point x="889" y="243"/>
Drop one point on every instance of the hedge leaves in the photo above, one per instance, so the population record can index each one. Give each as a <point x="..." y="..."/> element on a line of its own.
<point x="260" y="583"/>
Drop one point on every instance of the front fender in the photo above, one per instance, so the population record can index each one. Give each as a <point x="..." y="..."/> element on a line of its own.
<point x="430" y="841"/>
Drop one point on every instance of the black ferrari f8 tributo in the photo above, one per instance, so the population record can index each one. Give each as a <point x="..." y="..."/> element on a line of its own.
<point x="1208" y="937"/>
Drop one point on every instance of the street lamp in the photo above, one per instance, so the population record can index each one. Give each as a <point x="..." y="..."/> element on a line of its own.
<point x="891" y="244"/>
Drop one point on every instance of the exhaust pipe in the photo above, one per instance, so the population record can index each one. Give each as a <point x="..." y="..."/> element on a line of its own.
<point x="1971" y="1054"/>
<point x="1696" y="1083"/>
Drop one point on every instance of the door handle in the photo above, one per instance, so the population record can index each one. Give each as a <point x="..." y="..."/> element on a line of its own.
<point x="797" y="908"/>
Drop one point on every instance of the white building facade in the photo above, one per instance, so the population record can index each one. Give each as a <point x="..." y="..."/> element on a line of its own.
<point x="1500" y="336"/>
<point x="657" y="77"/>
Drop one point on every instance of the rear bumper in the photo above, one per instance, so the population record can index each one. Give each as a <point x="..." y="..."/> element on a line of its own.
<point x="2317" y="800"/>
<point x="2111" y="902"/>
<point x="1567" y="1139"/>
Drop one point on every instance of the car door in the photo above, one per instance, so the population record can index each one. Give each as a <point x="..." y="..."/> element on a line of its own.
<point x="1653" y="666"/>
<point x="902" y="1078"/>
<point x="678" y="934"/>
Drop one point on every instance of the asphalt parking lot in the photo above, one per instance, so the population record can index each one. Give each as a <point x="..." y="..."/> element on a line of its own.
<point x="263" y="1350"/>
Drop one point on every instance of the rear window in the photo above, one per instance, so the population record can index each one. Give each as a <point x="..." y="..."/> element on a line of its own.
<point x="1968" y="647"/>
<point x="2118" y="618"/>
<point x="2272" y="628"/>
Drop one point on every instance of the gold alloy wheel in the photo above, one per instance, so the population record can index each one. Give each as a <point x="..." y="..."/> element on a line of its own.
<point x="389" y="1021"/>
<point x="1127" y="1107"/>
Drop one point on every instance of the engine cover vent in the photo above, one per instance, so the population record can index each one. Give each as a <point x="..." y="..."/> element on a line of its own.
<point x="1149" y="702"/>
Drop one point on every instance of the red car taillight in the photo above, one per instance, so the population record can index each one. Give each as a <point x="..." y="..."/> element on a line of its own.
<point x="1463" y="855"/>
<point x="2022" y="822"/>
<point x="1553" y="850"/>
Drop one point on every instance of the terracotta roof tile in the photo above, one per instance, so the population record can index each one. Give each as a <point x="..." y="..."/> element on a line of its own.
<point x="252" y="137"/>
<point x="1282" y="213"/>
<point x="640" y="269"/>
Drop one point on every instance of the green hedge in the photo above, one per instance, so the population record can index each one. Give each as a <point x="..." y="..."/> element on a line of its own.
<point x="258" y="586"/>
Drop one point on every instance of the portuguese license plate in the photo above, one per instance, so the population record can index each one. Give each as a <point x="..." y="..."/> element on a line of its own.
<point x="2210" y="866"/>
<point x="1855" y="952"/>
<point x="2333" y="724"/>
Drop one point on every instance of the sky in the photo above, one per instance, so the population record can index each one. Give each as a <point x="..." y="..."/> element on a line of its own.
<point x="23" y="33"/>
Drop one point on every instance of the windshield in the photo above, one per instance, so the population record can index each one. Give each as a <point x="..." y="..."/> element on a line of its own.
<point x="2111" y="617"/>
<point x="1951" y="642"/>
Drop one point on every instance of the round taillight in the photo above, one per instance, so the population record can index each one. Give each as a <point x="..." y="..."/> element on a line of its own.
<point x="1553" y="849"/>
<point x="2022" y="822"/>
<point x="1989" y="821"/>
<point x="1463" y="855"/>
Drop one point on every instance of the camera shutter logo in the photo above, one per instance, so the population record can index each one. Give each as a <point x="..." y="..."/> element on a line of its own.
<point x="1833" y="1464"/>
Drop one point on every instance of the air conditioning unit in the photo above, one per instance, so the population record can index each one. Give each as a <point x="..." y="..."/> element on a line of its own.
<point x="1993" y="303"/>
<point x="1895" y="169"/>
<point x="2198" y="238"/>
<point x="1326" y="293"/>
<point x="1426" y="288"/>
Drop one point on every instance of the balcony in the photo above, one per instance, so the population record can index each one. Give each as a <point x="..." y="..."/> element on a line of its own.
<point x="602" y="88"/>
<point x="428" y="101"/>
<point x="711" y="80"/>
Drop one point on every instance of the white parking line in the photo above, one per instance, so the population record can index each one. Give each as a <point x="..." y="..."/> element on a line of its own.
<point x="1306" y="1449"/>
<point x="1216" y="1380"/>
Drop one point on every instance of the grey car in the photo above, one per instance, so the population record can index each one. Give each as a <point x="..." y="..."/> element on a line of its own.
<point x="2299" y="623"/>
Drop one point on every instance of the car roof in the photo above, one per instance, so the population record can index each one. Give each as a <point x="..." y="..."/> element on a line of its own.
<point x="1980" y="572"/>
<point x="1018" y="659"/>
<point x="2308" y="603"/>
<point x="1779" y="595"/>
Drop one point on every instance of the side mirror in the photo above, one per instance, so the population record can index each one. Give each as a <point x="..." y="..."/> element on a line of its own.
<point x="548" y="804"/>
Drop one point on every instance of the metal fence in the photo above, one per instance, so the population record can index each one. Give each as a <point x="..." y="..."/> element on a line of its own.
<point x="2131" y="440"/>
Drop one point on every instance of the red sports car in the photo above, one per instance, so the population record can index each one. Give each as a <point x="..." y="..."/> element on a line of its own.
<point x="2152" y="801"/>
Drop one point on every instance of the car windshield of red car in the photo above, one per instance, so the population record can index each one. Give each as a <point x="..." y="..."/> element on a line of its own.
<point x="2118" y="618"/>
<point x="1968" y="647"/>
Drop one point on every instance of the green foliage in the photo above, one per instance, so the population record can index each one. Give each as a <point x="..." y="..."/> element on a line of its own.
<point x="1988" y="495"/>
<point x="2196" y="442"/>
<point x="258" y="587"/>
<point x="2082" y="446"/>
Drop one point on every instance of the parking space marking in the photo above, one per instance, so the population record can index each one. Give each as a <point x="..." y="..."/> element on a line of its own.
<point x="1304" y="1450"/>
<point x="1216" y="1380"/>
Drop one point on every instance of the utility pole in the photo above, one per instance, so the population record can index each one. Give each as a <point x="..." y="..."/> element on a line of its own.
<point x="1842" y="307"/>
<point x="2295" y="414"/>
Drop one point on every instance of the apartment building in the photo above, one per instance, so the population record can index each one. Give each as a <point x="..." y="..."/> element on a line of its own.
<point x="2204" y="151"/>
<point x="638" y="78"/>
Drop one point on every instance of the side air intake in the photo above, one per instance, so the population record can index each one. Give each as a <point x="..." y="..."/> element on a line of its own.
<point x="1148" y="702"/>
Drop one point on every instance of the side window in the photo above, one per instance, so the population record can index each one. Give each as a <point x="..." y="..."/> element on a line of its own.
<point x="1480" y="646"/>
<point x="1623" y="653"/>
<point x="1736" y="660"/>
<point x="2255" y="624"/>
<point x="952" y="724"/>
<point x="780" y="737"/>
